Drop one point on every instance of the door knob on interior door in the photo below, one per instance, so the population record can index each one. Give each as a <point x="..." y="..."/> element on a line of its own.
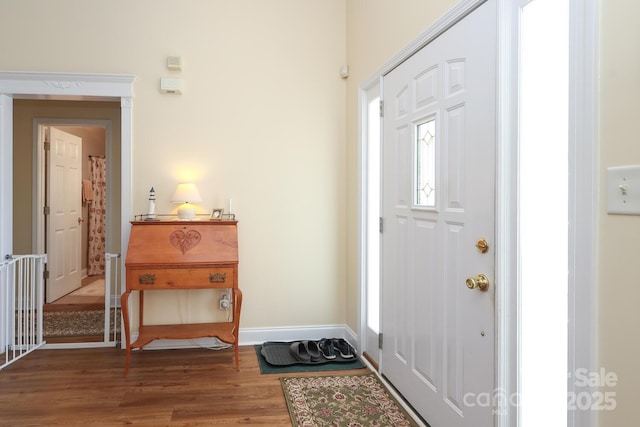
<point x="479" y="282"/>
<point x="80" y="220"/>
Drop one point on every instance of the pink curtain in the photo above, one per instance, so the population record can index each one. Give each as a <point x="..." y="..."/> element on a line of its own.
<point x="97" y="216"/>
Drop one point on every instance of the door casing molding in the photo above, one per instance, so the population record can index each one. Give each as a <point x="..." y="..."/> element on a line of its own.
<point x="62" y="86"/>
<point x="584" y="119"/>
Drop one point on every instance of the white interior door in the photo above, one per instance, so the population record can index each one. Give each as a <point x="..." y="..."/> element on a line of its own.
<point x="438" y="201"/>
<point x="64" y="220"/>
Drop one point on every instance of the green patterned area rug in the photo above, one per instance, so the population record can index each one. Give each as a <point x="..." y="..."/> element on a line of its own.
<point x="348" y="400"/>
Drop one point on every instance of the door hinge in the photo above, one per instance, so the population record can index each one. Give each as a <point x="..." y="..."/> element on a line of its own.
<point x="380" y="340"/>
<point x="46" y="210"/>
<point x="381" y="108"/>
<point x="381" y="224"/>
<point x="47" y="146"/>
<point x="45" y="275"/>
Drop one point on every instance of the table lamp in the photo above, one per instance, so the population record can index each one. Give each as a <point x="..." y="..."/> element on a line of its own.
<point x="186" y="193"/>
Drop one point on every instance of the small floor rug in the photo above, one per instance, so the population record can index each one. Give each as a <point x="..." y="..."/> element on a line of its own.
<point x="267" y="368"/>
<point x="74" y="323"/>
<point x="349" y="400"/>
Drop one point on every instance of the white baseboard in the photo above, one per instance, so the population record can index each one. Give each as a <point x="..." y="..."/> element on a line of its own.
<point x="252" y="336"/>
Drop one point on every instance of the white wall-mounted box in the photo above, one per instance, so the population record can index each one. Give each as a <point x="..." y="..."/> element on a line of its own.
<point x="174" y="63"/>
<point x="171" y="85"/>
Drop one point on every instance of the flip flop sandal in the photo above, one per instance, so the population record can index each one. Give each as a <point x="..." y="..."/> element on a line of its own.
<point x="312" y="350"/>
<point x="299" y="350"/>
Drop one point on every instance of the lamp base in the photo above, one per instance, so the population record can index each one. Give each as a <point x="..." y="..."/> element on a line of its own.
<point x="186" y="212"/>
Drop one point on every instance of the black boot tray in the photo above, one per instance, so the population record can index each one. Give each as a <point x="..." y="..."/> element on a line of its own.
<point x="278" y="353"/>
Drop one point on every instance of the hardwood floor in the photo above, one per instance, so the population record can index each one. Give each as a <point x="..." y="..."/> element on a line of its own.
<point x="194" y="387"/>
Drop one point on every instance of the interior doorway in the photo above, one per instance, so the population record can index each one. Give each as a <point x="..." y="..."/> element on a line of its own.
<point x="70" y="216"/>
<point x="72" y="230"/>
<point x="71" y="186"/>
<point x="102" y="96"/>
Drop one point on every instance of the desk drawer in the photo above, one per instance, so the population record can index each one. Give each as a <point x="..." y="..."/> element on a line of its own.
<point x="181" y="278"/>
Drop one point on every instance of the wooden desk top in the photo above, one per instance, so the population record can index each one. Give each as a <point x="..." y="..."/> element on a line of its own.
<point x="188" y="243"/>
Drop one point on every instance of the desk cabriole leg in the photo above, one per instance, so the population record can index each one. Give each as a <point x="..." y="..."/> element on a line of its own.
<point x="124" y="304"/>
<point x="237" y="307"/>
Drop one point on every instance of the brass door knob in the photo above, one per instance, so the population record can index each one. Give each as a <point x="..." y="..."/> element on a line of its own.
<point x="479" y="282"/>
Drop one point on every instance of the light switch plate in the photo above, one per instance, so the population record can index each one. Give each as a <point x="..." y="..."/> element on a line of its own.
<point x="623" y="190"/>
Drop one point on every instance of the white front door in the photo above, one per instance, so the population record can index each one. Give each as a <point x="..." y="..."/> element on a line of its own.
<point x="64" y="220"/>
<point x="438" y="172"/>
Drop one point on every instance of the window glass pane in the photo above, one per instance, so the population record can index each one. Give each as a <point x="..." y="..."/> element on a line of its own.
<point x="425" y="171"/>
<point x="373" y="209"/>
<point x="543" y="213"/>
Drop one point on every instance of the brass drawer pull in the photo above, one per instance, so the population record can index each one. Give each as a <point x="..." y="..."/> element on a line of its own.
<point x="217" y="277"/>
<point x="147" y="279"/>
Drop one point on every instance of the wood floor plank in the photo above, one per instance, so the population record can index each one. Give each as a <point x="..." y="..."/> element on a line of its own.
<point x="190" y="387"/>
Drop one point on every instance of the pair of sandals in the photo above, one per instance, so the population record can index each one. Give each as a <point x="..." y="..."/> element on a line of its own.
<point x="327" y="348"/>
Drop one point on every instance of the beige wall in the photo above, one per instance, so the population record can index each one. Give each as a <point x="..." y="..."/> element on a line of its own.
<point x="261" y="120"/>
<point x="619" y="295"/>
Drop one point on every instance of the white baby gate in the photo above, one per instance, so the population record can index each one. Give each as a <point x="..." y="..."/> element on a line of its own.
<point x="22" y="296"/>
<point x="112" y="313"/>
<point x="112" y="292"/>
<point x="22" y="300"/>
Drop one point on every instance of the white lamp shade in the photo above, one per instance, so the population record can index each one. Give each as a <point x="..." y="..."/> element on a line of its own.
<point x="186" y="193"/>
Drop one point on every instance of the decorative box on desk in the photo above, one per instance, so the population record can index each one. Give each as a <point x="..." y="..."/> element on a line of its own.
<point x="182" y="255"/>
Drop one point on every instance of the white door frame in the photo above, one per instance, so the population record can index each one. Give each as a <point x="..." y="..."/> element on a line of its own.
<point x="6" y="175"/>
<point x="583" y="203"/>
<point x="584" y="62"/>
<point x="62" y="86"/>
<point x="364" y="343"/>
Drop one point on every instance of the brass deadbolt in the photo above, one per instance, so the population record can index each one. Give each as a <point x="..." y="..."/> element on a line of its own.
<point x="482" y="245"/>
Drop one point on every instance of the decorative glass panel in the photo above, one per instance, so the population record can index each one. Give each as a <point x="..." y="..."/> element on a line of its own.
<point x="425" y="171"/>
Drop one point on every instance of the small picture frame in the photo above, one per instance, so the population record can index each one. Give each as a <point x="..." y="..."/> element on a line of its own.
<point x="216" y="214"/>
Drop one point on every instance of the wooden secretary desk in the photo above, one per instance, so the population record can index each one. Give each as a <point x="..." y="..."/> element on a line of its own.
<point x="165" y="255"/>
